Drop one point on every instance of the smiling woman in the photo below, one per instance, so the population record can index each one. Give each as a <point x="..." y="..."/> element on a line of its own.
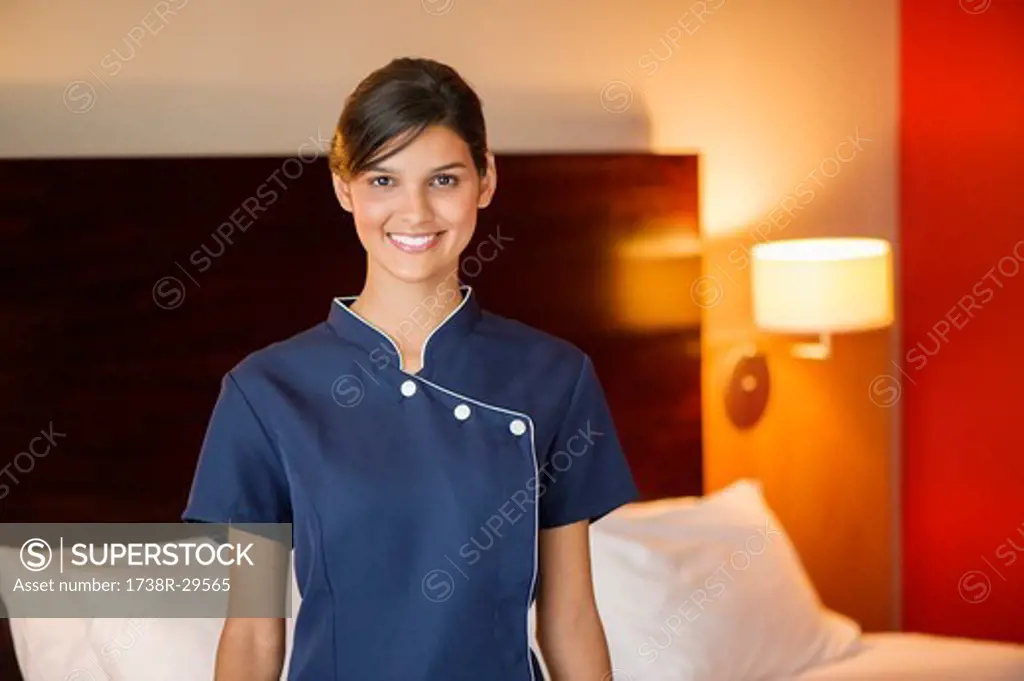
<point x="432" y="511"/>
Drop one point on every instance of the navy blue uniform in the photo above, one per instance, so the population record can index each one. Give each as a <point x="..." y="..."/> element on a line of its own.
<point x="416" y="499"/>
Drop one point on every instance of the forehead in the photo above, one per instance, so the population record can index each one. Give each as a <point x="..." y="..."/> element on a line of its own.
<point x="435" y="146"/>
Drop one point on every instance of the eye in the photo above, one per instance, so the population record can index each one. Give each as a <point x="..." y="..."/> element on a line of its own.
<point x="446" y="180"/>
<point x="380" y="181"/>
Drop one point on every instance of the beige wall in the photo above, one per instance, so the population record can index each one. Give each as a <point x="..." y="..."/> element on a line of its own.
<point x="765" y="91"/>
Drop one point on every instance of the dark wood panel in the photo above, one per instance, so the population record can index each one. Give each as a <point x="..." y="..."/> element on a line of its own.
<point x="129" y="376"/>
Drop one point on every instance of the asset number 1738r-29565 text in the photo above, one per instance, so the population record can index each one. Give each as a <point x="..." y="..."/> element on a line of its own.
<point x="185" y="584"/>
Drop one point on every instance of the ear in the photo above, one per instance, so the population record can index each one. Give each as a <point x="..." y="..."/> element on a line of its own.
<point x="343" y="191"/>
<point x="488" y="183"/>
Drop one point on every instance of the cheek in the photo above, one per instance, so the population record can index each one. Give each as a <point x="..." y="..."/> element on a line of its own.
<point x="457" y="211"/>
<point x="369" y="212"/>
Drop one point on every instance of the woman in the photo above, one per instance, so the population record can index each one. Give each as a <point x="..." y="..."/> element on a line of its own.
<point x="440" y="464"/>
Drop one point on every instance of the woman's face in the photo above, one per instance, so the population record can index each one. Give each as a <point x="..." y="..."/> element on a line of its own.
<point x="415" y="212"/>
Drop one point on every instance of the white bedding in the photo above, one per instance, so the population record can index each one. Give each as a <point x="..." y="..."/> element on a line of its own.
<point x="663" y="620"/>
<point x="923" y="657"/>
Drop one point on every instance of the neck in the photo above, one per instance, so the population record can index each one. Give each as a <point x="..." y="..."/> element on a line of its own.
<point x="408" y="312"/>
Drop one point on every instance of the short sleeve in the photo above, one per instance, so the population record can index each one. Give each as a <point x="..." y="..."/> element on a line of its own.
<point x="585" y="474"/>
<point x="239" y="477"/>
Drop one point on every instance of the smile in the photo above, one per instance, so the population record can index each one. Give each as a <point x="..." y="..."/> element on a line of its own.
<point x="414" y="243"/>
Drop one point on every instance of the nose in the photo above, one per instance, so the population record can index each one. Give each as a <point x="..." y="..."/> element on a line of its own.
<point x="418" y="210"/>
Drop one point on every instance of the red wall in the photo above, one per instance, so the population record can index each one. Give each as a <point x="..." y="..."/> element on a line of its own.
<point x="962" y="219"/>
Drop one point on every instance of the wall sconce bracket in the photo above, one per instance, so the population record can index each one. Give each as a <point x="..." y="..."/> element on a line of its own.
<point x="746" y="396"/>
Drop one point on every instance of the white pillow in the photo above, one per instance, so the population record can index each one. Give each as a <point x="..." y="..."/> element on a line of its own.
<point x="709" y="589"/>
<point x="50" y="648"/>
<point x="47" y="647"/>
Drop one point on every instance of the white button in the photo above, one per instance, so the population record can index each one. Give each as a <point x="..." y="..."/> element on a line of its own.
<point x="517" y="427"/>
<point x="462" y="412"/>
<point x="408" y="388"/>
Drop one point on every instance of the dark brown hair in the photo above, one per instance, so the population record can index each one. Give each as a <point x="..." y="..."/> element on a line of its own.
<point x="396" y="103"/>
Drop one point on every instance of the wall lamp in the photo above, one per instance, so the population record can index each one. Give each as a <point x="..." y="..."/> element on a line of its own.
<point x="809" y="286"/>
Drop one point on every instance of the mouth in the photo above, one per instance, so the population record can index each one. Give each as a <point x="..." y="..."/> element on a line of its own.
<point x="414" y="243"/>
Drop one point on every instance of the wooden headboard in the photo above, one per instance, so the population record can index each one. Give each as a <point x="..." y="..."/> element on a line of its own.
<point x="118" y="324"/>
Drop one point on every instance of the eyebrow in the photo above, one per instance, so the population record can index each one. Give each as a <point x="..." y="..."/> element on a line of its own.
<point x="446" y="166"/>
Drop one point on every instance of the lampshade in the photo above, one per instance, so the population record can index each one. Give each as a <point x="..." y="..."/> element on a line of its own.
<point x="822" y="285"/>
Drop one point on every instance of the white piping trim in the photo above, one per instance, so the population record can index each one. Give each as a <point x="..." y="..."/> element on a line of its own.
<point x="423" y="349"/>
<point x="370" y="324"/>
<point x="536" y="499"/>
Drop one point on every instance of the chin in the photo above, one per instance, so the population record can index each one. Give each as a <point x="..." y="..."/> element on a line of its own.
<point x="422" y="272"/>
<point x="418" y="268"/>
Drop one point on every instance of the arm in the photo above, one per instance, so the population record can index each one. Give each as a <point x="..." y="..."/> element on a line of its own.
<point x="590" y="479"/>
<point x="240" y="478"/>
<point x="252" y="645"/>
<point x="569" y="630"/>
<point x="250" y="649"/>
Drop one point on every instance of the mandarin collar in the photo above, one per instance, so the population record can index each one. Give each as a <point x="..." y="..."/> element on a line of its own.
<point x="359" y="331"/>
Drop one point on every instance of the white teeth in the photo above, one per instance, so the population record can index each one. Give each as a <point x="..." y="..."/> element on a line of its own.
<point x="414" y="241"/>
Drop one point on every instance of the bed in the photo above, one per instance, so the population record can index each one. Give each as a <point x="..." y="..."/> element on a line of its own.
<point x="711" y="588"/>
<point x="903" y="656"/>
<point x="900" y="656"/>
<point x="130" y="377"/>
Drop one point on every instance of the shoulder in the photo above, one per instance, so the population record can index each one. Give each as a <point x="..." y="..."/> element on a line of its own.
<point x="513" y="336"/>
<point x="283" y="357"/>
<point x="527" y="351"/>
